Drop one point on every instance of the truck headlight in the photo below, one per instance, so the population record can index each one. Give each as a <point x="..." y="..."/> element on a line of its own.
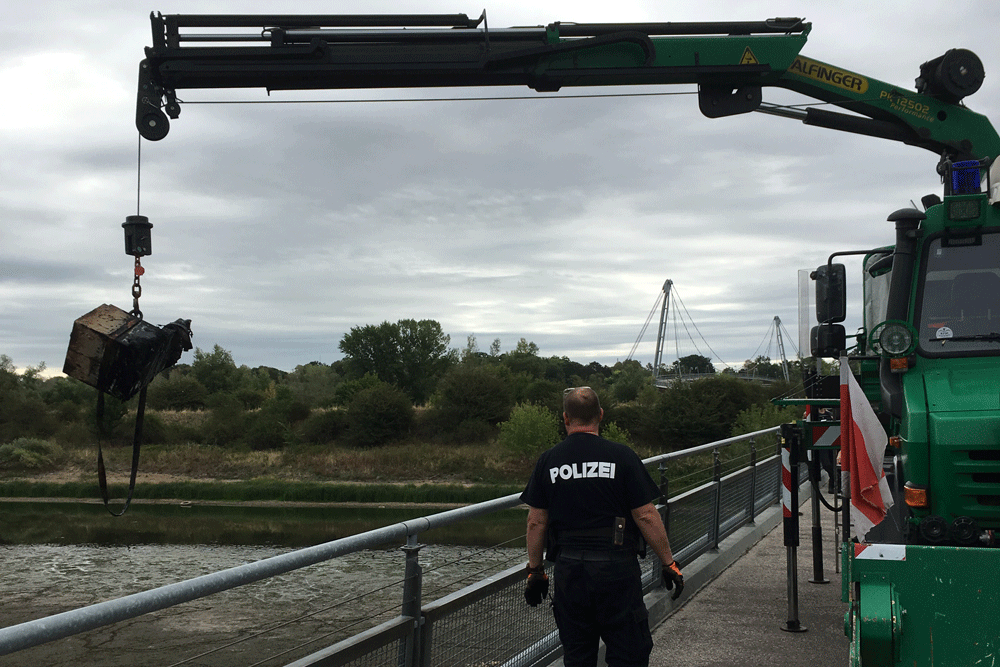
<point x="896" y="340"/>
<point x="893" y="338"/>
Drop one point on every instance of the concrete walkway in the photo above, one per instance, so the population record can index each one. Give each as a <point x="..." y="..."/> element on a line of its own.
<point x="736" y="618"/>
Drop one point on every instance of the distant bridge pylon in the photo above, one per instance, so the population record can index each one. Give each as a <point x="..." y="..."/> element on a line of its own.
<point x="662" y="375"/>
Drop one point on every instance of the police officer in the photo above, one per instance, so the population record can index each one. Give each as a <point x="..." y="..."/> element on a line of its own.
<point x="592" y="498"/>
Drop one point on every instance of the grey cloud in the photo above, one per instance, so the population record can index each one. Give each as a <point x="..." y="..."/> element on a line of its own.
<point x="278" y="227"/>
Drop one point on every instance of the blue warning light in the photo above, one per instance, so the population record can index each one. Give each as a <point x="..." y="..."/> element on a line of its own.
<point x="966" y="178"/>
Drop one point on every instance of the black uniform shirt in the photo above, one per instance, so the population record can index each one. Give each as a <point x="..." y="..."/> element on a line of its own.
<point x="584" y="482"/>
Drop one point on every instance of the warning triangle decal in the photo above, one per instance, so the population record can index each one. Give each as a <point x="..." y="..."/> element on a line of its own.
<point x="749" y="58"/>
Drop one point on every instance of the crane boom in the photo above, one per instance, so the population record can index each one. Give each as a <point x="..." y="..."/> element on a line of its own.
<point x="731" y="62"/>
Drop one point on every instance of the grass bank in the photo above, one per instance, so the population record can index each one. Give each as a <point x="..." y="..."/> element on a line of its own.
<point x="403" y="473"/>
<point x="268" y="490"/>
<point x="406" y="473"/>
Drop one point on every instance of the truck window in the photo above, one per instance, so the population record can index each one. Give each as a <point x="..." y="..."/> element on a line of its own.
<point x="959" y="298"/>
<point x="876" y="292"/>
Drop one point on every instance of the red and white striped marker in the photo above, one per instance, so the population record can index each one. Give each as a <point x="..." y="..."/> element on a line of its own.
<point x="786" y="483"/>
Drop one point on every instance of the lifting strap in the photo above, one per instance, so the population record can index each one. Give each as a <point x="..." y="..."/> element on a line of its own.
<point x="102" y="476"/>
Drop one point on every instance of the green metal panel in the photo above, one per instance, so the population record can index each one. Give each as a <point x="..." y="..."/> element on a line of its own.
<point x="913" y="427"/>
<point x="936" y="607"/>
<point x="965" y="466"/>
<point x="739" y="59"/>
<point x="951" y="436"/>
<point x="951" y="124"/>
<point x="961" y="387"/>
<point x="879" y="612"/>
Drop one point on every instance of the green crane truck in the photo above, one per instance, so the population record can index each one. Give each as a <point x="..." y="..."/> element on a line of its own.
<point x="928" y="355"/>
<point x="930" y="348"/>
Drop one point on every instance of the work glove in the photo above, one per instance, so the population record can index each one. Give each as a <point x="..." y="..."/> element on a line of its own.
<point x="537" y="586"/>
<point x="672" y="577"/>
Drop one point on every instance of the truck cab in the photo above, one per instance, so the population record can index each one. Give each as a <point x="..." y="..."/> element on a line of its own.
<point x="946" y="398"/>
<point x="929" y="354"/>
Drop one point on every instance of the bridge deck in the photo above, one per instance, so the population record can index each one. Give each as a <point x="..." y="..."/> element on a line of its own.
<point x="737" y="619"/>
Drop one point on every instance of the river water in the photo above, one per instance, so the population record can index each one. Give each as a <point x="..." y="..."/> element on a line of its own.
<point x="256" y="624"/>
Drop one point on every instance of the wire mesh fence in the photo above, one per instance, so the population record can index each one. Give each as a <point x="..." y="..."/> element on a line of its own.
<point x="487" y="624"/>
<point x="484" y="623"/>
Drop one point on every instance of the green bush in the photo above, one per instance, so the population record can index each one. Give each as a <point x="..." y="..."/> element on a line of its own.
<point x="67" y="390"/>
<point x="766" y="415"/>
<point x="75" y="434"/>
<point x="24" y="414"/>
<point x="694" y="413"/>
<point x="154" y="431"/>
<point x="112" y="424"/>
<point x="250" y="398"/>
<point x="227" y="423"/>
<point x="378" y="414"/>
<point x="186" y="433"/>
<point x="322" y="427"/>
<point x="30" y="454"/>
<point x="611" y="431"/>
<point x="267" y="431"/>
<point x="635" y="420"/>
<point x="473" y="393"/>
<point x="472" y="431"/>
<point x="217" y="371"/>
<point x="546" y="393"/>
<point x="530" y="430"/>
<point x="628" y="382"/>
<point x="176" y="392"/>
<point x="67" y="411"/>
<point x="344" y="394"/>
<point x="285" y="407"/>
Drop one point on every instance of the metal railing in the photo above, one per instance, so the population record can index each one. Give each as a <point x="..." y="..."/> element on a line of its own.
<point x="486" y="623"/>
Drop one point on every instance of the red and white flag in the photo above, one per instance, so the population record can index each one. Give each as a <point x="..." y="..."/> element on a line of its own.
<point x="863" y="442"/>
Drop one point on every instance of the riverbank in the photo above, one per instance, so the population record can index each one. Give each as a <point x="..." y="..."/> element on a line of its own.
<point x="408" y="474"/>
<point x="263" y="492"/>
<point x="402" y="462"/>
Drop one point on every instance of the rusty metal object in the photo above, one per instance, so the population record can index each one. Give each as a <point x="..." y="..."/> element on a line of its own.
<point x="119" y="353"/>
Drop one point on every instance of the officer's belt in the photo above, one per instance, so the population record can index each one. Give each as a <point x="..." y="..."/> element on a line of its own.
<point x="597" y="555"/>
<point x="629" y="538"/>
<point x="570" y="533"/>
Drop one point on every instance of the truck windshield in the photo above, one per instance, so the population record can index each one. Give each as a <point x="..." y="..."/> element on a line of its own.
<point x="959" y="308"/>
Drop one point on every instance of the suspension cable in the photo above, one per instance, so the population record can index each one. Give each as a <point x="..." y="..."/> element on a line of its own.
<point x="642" y="332"/>
<point x="717" y="355"/>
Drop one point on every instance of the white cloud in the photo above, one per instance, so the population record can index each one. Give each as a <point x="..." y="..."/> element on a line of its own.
<point x="279" y="227"/>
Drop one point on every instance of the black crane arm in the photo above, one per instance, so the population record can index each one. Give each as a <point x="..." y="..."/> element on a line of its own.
<point x="729" y="61"/>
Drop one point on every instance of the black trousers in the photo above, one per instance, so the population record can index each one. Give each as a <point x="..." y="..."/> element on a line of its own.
<point x="601" y="600"/>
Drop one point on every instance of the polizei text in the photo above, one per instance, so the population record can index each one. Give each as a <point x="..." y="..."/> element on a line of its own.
<point x="583" y="470"/>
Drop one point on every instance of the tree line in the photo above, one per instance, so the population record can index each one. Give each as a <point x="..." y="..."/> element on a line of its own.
<point x="396" y="382"/>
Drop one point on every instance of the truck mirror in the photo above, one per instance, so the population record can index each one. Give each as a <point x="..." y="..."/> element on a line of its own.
<point x="827" y="341"/>
<point x="831" y="293"/>
<point x="880" y="266"/>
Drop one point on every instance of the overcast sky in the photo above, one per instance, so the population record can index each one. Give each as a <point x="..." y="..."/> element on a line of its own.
<point x="277" y="228"/>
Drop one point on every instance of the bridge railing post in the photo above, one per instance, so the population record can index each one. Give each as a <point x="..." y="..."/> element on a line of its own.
<point x="752" y="500"/>
<point x="778" y="485"/>
<point x="664" y="492"/>
<point x="715" y="527"/>
<point x="410" y="654"/>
